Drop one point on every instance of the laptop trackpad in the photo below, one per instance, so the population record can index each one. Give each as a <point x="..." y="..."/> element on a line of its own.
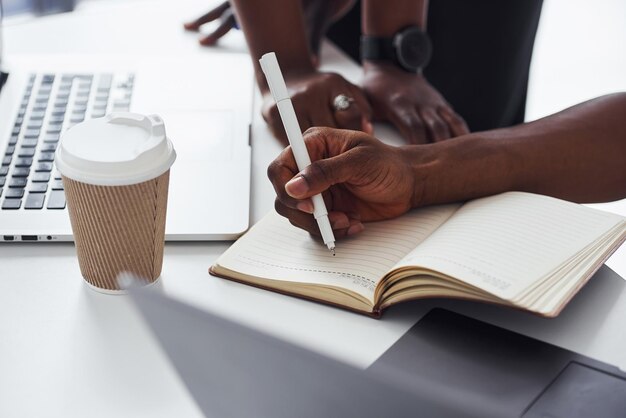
<point x="581" y="391"/>
<point x="493" y="372"/>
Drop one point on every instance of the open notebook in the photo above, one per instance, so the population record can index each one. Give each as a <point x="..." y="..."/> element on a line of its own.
<point x="519" y="249"/>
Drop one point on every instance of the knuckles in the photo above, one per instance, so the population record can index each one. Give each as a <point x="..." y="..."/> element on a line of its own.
<point x="270" y="112"/>
<point x="273" y="173"/>
<point x="315" y="131"/>
<point x="330" y="78"/>
<point x="317" y="172"/>
<point x="436" y="125"/>
<point x="414" y="123"/>
<point x="322" y="82"/>
<point x="273" y="169"/>
<point x="280" y="208"/>
<point x="294" y="220"/>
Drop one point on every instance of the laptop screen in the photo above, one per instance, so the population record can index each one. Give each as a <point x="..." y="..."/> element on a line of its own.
<point x="1" y="40"/>
<point x="3" y="75"/>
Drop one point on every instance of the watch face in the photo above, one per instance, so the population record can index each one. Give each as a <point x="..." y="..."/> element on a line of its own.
<point x="413" y="49"/>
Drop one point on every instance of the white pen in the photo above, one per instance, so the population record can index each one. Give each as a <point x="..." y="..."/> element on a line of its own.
<point x="276" y="82"/>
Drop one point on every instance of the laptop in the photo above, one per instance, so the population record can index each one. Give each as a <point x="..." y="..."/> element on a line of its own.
<point x="206" y="103"/>
<point x="446" y="365"/>
<point x="234" y="371"/>
<point x="494" y="372"/>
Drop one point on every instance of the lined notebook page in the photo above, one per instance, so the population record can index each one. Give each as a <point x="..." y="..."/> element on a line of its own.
<point x="275" y="249"/>
<point x="505" y="243"/>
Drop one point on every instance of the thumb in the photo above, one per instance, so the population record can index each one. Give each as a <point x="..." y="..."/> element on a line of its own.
<point x="320" y="175"/>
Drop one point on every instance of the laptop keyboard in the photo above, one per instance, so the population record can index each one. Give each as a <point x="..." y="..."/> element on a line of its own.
<point x="51" y="104"/>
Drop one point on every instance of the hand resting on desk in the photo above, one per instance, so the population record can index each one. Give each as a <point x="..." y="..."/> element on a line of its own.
<point x="410" y="103"/>
<point x="294" y="30"/>
<point x="312" y="92"/>
<point x="223" y="13"/>
<point x="577" y="154"/>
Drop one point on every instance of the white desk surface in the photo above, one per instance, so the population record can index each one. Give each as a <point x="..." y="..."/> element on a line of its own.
<point x="66" y="351"/>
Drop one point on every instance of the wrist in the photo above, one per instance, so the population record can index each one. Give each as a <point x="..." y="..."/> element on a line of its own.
<point x="409" y="48"/>
<point x="463" y="168"/>
<point x="378" y="66"/>
<point x="289" y="72"/>
<point x="388" y="68"/>
<point x="423" y="163"/>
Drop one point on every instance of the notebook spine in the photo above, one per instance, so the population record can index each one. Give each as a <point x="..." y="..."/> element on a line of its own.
<point x="376" y="314"/>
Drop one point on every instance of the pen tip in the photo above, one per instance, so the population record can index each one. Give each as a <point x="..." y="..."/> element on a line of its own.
<point x="333" y="251"/>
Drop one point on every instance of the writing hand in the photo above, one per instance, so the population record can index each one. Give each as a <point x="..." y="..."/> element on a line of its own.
<point x="410" y="103"/>
<point x="223" y="12"/>
<point x="312" y="94"/>
<point x="361" y="180"/>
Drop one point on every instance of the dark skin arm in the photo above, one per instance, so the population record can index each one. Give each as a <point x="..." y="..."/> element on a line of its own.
<point x="279" y="26"/>
<point x="405" y="99"/>
<point x="578" y="154"/>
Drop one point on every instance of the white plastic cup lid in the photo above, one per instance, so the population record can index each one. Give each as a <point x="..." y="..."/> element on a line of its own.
<point x="117" y="150"/>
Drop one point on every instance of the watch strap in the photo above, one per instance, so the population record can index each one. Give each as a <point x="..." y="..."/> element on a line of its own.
<point x="377" y="48"/>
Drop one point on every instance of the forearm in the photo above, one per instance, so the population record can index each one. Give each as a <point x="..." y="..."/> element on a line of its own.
<point x="385" y="18"/>
<point x="578" y="154"/>
<point x="277" y="26"/>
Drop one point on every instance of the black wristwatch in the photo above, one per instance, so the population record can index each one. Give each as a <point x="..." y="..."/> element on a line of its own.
<point x="410" y="49"/>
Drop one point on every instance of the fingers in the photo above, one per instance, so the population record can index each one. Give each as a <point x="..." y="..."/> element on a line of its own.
<point x="293" y="193"/>
<point x="224" y="13"/>
<point x="315" y="60"/>
<point x="350" y="118"/>
<point x="408" y="122"/>
<point x="320" y="116"/>
<point x="436" y="127"/>
<point x="357" y="116"/>
<point x="210" y="16"/>
<point x="322" y="174"/>
<point x="323" y="118"/>
<point x="299" y="211"/>
<point x="335" y="161"/>
<point x="280" y="171"/>
<point x="313" y="97"/>
<point x="455" y="122"/>
<point x="343" y="224"/>
<point x="224" y="27"/>
<point x="271" y="115"/>
<point x="427" y="124"/>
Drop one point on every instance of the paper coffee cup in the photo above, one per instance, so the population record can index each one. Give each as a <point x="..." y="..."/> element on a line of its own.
<point x="116" y="174"/>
